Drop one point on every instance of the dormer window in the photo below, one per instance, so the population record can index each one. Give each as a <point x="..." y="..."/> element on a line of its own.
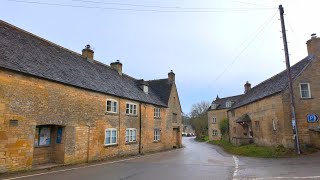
<point x="145" y="89"/>
<point x="214" y="106"/>
<point x="228" y="104"/>
<point x="144" y="86"/>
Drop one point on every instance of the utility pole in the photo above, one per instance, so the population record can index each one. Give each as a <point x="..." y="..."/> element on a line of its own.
<point x="293" y="113"/>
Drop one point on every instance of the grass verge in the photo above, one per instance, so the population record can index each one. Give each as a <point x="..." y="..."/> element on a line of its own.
<point x="202" y="138"/>
<point x="253" y="150"/>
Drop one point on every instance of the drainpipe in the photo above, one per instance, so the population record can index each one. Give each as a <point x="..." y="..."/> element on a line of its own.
<point x="140" y="127"/>
<point x="88" y="154"/>
<point x="118" y="132"/>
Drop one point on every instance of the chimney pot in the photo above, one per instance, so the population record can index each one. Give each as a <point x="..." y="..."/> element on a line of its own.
<point x="87" y="53"/>
<point x="117" y="66"/>
<point x="171" y="76"/>
<point x="247" y="87"/>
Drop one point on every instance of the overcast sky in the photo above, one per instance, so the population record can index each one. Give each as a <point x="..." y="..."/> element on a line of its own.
<point x="212" y="52"/>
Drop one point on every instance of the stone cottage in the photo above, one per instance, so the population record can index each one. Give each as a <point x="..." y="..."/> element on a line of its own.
<point x="263" y="115"/>
<point x="218" y="112"/>
<point x="58" y="106"/>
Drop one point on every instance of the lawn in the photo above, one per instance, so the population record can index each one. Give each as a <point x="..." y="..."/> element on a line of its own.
<point x="202" y="138"/>
<point x="259" y="151"/>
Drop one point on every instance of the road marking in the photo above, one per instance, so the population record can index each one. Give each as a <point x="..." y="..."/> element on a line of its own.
<point x="305" y="177"/>
<point x="236" y="164"/>
<point x="82" y="167"/>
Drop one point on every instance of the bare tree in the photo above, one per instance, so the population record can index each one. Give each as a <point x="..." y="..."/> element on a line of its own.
<point x="199" y="118"/>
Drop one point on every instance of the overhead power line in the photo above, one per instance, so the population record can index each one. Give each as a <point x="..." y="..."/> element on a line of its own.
<point x="165" y="7"/>
<point x="254" y="4"/>
<point x="142" y="10"/>
<point x="255" y="35"/>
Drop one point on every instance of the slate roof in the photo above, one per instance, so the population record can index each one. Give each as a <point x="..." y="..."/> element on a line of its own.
<point x="29" y="54"/>
<point x="273" y="85"/>
<point x="222" y="102"/>
<point x="162" y="88"/>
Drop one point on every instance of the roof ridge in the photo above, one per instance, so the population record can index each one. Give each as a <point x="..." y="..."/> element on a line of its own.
<point x="280" y="73"/>
<point x="45" y="40"/>
<point x="157" y="80"/>
<point x="261" y="90"/>
<point x="230" y="97"/>
<point x="75" y="71"/>
<point x="107" y="66"/>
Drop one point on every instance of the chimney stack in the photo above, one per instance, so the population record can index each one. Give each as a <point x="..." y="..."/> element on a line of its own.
<point x="87" y="52"/>
<point x="313" y="45"/>
<point x="171" y="77"/>
<point x="247" y="87"/>
<point x="117" y="66"/>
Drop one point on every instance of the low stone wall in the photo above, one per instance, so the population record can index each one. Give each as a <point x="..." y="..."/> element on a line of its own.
<point x="241" y="141"/>
<point x="315" y="137"/>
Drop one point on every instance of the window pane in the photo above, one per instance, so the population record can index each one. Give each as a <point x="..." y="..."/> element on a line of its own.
<point x="107" y="140"/>
<point x="131" y="108"/>
<point x="134" y="135"/>
<point x="114" y="139"/>
<point x="304" y="90"/>
<point x="114" y="133"/>
<point x="108" y="133"/>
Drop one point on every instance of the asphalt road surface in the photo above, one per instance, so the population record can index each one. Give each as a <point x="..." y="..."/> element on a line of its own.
<point x="197" y="161"/>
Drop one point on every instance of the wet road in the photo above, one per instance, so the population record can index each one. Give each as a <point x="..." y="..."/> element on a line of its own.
<point x="196" y="161"/>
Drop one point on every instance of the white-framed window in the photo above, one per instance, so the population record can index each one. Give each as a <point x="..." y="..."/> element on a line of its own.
<point x="131" y="135"/>
<point x="110" y="136"/>
<point x="156" y="112"/>
<point x="274" y="126"/>
<point x="156" y="135"/>
<point x="228" y="104"/>
<point x="215" y="133"/>
<point x="112" y="106"/>
<point x="305" y="90"/>
<point x="214" y="106"/>
<point x="214" y="120"/>
<point x="131" y="108"/>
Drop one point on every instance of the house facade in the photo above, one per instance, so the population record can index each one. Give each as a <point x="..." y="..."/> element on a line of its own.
<point x="58" y="106"/>
<point x="218" y="112"/>
<point x="263" y="115"/>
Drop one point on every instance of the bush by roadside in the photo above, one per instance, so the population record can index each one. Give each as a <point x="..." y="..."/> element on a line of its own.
<point x="259" y="151"/>
<point x="202" y="138"/>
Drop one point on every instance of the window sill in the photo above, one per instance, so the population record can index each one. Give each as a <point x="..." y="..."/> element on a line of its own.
<point x="158" y="141"/>
<point x="132" y="115"/>
<point x="112" y="113"/>
<point x="129" y="143"/>
<point x="111" y="145"/>
<point x="306" y="98"/>
<point x="46" y="146"/>
<point x="157" y="118"/>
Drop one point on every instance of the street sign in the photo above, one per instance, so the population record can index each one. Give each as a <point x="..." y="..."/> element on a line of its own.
<point x="312" y="118"/>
